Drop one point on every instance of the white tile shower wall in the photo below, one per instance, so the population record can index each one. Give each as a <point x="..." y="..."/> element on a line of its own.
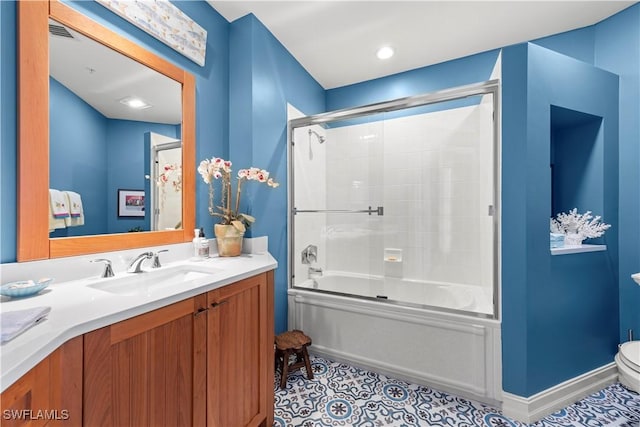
<point x="310" y="192"/>
<point x="355" y="182"/>
<point x="433" y="173"/>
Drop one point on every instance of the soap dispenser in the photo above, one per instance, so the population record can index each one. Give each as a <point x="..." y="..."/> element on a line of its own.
<point x="196" y="242"/>
<point x="203" y="245"/>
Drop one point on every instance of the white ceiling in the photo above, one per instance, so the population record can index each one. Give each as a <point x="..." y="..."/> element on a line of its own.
<point x="336" y="41"/>
<point x="102" y="77"/>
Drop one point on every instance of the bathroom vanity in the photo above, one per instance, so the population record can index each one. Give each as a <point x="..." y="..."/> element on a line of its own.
<point x="201" y="360"/>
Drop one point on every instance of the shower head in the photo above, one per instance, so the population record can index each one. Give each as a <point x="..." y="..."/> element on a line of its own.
<point x="321" y="138"/>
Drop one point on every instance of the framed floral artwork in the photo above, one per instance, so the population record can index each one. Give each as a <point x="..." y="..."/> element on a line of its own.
<point x="131" y="203"/>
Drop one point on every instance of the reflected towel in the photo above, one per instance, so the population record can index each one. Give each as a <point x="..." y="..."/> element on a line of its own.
<point x="59" y="204"/>
<point x="13" y="323"/>
<point x="55" y="222"/>
<point x="76" y="217"/>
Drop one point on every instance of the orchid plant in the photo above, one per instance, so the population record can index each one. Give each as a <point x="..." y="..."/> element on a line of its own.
<point x="171" y="174"/>
<point x="228" y="210"/>
<point x="585" y="225"/>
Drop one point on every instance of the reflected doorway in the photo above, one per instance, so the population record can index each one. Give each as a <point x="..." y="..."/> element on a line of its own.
<point x="166" y="182"/>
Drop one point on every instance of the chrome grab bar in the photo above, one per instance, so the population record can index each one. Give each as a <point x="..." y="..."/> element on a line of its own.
<point x="379" y="211"/>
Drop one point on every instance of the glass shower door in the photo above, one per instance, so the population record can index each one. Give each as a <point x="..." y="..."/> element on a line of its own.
<point x="439" y="197"/>
<point x="337" y="222"/>
<point x="354" y="238"/>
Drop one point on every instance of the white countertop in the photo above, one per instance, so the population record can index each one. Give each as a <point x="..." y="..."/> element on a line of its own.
<point x="77" y="309"/>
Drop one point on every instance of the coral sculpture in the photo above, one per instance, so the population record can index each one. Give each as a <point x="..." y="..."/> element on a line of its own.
<point x="585" y="225"/>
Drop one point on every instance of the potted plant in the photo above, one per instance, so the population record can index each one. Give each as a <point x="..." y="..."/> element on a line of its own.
<point x="171" y="174"/>
<point x="577" y="227"/>
<point x="232" y="224"/>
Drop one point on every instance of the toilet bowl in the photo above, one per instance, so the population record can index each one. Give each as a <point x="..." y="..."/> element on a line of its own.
<point x="628" y="362"/>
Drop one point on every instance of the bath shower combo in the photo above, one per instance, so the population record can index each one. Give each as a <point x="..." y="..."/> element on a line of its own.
<point x="393" y="237"/>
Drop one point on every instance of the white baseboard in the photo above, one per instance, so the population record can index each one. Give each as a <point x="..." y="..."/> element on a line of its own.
<point x="532" y="409"/>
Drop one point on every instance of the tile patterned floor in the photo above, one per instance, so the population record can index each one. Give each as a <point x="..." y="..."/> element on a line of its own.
<point x="341" y="395"/>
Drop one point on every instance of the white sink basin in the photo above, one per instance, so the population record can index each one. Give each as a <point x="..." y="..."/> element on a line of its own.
<point x="636" y="277"/>
<point x="149" y="282"/>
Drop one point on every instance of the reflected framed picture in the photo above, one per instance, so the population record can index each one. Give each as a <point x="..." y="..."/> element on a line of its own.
<point x="130" y="203"/>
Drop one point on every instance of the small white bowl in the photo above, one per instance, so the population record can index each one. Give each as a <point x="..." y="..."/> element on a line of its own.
<point x="24" y="288"/>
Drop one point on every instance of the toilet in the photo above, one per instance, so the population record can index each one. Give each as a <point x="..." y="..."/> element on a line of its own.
<point x="628" y="359"/>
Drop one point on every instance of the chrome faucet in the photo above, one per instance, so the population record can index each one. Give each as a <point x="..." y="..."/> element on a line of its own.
<point x="136" y="264"/>
<point x="156" y="258"/>
<point x="108" y="271"/>
<point x="309" y="254"/>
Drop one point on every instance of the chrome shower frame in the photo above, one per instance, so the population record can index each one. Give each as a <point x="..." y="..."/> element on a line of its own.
<point x="490" y="87"/>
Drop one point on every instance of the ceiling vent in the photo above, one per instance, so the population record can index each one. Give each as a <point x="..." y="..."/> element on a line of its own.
<point x="59" y="31"/>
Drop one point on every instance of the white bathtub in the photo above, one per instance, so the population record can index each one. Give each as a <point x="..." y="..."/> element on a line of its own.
<point x="449" y="296"/>
<point x="430" y="341"/>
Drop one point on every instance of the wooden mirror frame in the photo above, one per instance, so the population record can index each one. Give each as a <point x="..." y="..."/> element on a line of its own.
<point x="33" y="242"/>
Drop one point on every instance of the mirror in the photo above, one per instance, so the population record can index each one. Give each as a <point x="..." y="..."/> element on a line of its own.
<point x="104" y="111"/>
<point x="49" y="139"/>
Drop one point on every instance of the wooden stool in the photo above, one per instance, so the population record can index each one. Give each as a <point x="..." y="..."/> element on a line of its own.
<point x="287" y="344"/>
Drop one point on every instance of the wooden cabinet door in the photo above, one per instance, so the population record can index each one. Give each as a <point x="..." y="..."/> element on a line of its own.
<point x="50" y="393"/>
<point x="26" y="396"/>
<point x="140" y="372"/>
<point x="240" y="354"/>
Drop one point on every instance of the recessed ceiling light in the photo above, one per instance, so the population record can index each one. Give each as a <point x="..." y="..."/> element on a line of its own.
<point x="135" y="102"/>
<point x="385" y="52"/>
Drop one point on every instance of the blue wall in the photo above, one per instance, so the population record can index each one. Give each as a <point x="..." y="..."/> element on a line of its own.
<point x="126" y="166"/>
<point x="463" y="71"/>
<point x="554" y="307"/>
<point x="459" y="72"/>
<point x="578" y="44"/>
<point x="617" y="49"/>
<point x="78" y="152"/>
<point x="8" y="117"/>
<point x="614" y="45"/>
<point x="265" y="78"/>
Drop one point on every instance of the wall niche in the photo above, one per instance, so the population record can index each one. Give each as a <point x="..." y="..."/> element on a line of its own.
<point x="577" y="165"/>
